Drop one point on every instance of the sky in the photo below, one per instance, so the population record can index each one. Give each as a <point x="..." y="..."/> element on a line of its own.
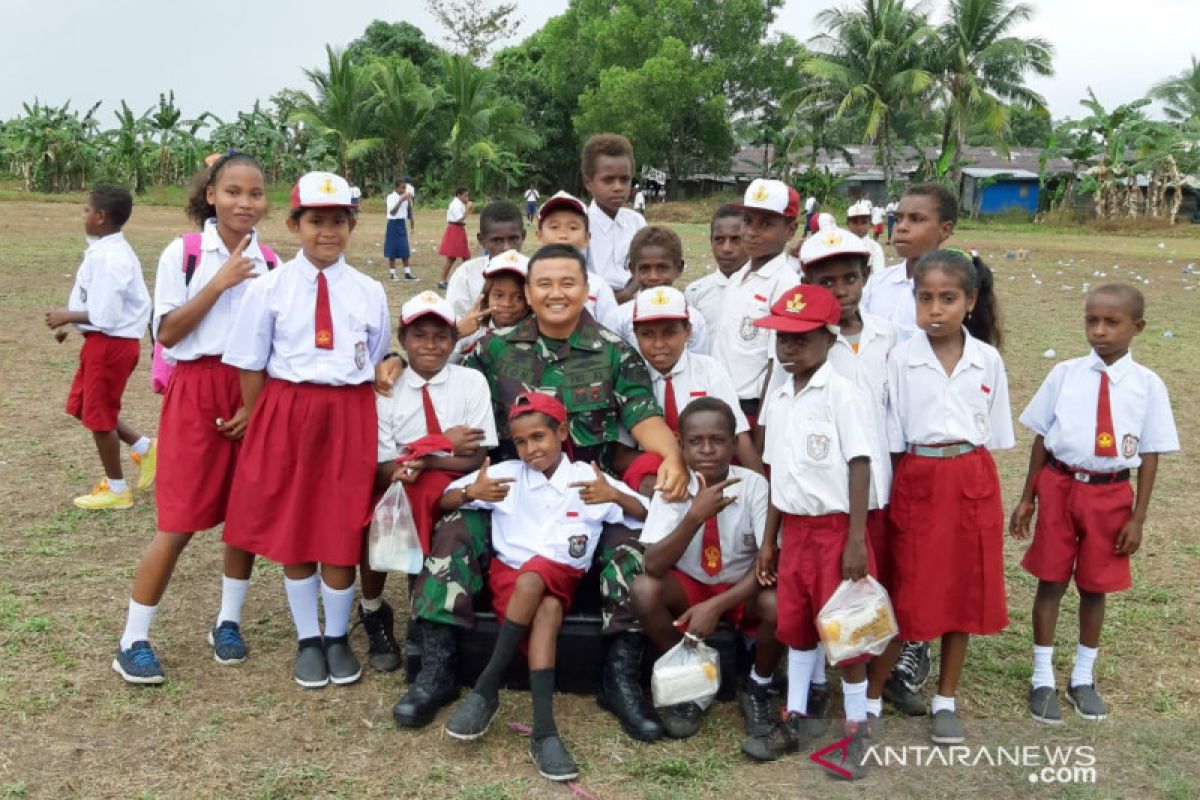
<point x="59" y="50"/>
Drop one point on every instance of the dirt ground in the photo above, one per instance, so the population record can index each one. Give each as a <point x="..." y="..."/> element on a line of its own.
<point x="72" y="728"/>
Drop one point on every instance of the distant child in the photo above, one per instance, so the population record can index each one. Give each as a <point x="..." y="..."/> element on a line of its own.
<point x="892" y="206"/>
<point x="858" y="222"/>
<point x="607" y="164"/>
<point x="531" y="202"/>
<point x="563" y="219"/>
<point x="707" y="294"/>
<point x="395" y="240"/>
<point x="819" y="448"/>
<point x="203" y="418"/>
<point x="771" y="209"/>
<point x="547" y="516"/>
<point x="412" y="203"/>
<point x="306" y="339"/>
<point x="700" y="553"/>
<point x="501" y="303"/>
<point x="876" y="222"/>
<point x="444" y="413"/>
<point x="1090" y="520"/>
<point x="454" y="241"/>
<point x="501" y="228"/>
<point x="110" y="306"/>
<point x="656" y="258"/>
<point x="639" y="200"/>
<point x="947" y="407"/>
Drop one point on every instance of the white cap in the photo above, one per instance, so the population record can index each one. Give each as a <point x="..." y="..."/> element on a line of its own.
<point x="661" y="302"/>
<point x="427" y="302"/>
<point x="860" y="209"/>
<point x="777" y="197"/>
<point x="561" y="200"/>
<point x="508" y="261"/>
<point x="830" y="241"/>
<point x="321" y="190"/>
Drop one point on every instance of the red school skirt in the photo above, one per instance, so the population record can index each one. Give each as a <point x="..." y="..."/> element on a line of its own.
<point x="947" y="546"/>
<point x="195" y="462"/>
<point x="454" y="242"/>
<point x="302" y="488"/>
<point x="105" y="364"/>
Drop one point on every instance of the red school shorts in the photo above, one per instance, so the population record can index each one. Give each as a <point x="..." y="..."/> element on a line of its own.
<point x="560" y="580"/>
<point x="697" y="592"/>
<point x="809" y="571"/>
<point x="1077" y="528"/>
<point x="105" y="364"/>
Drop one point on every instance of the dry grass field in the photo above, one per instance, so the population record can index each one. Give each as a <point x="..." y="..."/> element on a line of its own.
<point x="70" y="728"/>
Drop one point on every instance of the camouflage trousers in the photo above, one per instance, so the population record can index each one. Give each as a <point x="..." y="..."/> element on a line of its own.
<point x="461" y="550"/>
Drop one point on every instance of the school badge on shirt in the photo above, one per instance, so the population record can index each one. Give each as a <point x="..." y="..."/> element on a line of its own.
<point x="577" y="545"/>
<point x="712" y="557"/>
<point x="981" y="423"/>
<point x="1129" y="445"/>
<point x="749" y="331"/>
<point x="82" y="294"/>
<point x="360" y="354"/>
<point x="818" y="446"/>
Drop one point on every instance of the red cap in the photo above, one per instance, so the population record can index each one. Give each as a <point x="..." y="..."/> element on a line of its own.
<point x="805" y="307"/>
<point x="533" y="402"/>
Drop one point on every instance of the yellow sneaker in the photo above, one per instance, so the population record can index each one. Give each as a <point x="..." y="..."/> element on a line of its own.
<point x="103" y="497"/>
<point x="148" y="465"/>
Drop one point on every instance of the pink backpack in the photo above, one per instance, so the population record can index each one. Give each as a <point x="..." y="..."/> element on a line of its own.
<point x="160" y="370"/>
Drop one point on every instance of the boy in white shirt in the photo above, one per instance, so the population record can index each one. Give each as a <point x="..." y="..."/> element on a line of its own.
<point x="707" y="294"/>
<point x="531" y="201"/>
<point x="500" y="229"/>
<point x="395" y="239"/>
<point x="876" y="221"/>
<point x="858" y="222"/>
<point x="607" y="164"/>
<point x="656" y="260"/>
<point x="110" y="306"/>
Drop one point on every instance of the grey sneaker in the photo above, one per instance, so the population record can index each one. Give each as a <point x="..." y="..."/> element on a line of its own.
<point x="1087" y="702"/>
<point x="1043" y="705"/>
<point x="552" y="760"/>
<point x="945" y="728"/>
<point x="310" y="669"/>
<point x="681" y="721"/>
<point x="344" y="668"/>
<point x="854" y="761"/>
<point x="786" y="736"/>
<point x="472" y="717"/>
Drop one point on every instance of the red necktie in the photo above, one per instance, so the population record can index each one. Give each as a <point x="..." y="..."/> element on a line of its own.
<point x="432" y="426"/>
<point x="324" y="319"/>
<point x="710" y="547"/>
<point x="1106" y="440"/>
<point x="669" y="407"/>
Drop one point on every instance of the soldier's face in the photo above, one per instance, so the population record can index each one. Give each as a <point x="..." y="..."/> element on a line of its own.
<point x="539" y="440"/>
<point x="556" y="291"/>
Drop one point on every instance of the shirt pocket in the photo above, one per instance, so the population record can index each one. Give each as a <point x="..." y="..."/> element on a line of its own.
<point x="569" y="540"/>
<point x="817" y="443"/>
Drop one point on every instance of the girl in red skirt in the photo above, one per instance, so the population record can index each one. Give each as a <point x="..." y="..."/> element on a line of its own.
<point x="203" y="417"/>
<point x="436" y="425"/>
<point x="306" y="339"/>
<point x="454" y="241"/>
<point x="947" y="407"/>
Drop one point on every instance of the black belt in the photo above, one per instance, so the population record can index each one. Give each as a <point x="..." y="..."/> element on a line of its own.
<point x="1087" y="476"/>
<point x="750" y="407"/>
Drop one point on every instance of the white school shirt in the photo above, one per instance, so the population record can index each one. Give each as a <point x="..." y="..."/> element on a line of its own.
<point x="275" y="326"/>
<point x="545" y="517"/>
<point x="172" y="291"/>
<point x="457" y="212"/>
<point x="706" y="295"/>
<point x="697" y="340"/>
<point x="110" y="287"/>
<point x="738" y="343"/>
<point x="740" y="525"/>
<point x="811" y="439"/>
<point x="601" y="301"/>
<point x="609" y="248"/>
<point x="531" y="196"/>
<point x="876" y="215"/>
<point x="695" y="376"/>
<point x="809" y="202"/>
<point x="460" y="397"/>
<point x="639" y="201"/>
<point x="889" y="293"/>
<point x="1064" y="412"/>
<point x="925" y="406"/>
<point x="878" y="260"/>
<point x="392" y="200"/>
<point x="891" y="208"/>
<point x="466" y="284"/>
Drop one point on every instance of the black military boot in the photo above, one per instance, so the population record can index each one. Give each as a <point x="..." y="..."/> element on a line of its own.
<point x="436" y="684"/>
<point x="621" y="688"/>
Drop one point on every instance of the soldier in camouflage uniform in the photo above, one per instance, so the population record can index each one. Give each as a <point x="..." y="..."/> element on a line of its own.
<point x="605" y="386"/>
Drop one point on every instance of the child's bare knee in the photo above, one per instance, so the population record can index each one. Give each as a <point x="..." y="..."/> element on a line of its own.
<point x="530" y="583"/>
<point x="549" y="611"/>
<point x="1052" y="590"/>
<point x="645" y="593"/>
<point x="766" y="606"/>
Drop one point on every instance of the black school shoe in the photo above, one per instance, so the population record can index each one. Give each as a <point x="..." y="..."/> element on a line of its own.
<point x="383" y="653"/>
<point x="755" y="705"/>
<point x="790" y="735"/>
<point x="472" y="717"/>
<point x="552" y="760"/>
<point x="344" y="668"/>
<point x="309" y="669"/>
<point x="1043" y="705"/>
<point x="435" y="685"/>
<point x="681" y="721"/>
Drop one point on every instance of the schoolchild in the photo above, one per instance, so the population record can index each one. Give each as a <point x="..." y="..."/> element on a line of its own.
<point x="607" y="165"/>
<point x="656" y="259"/>
<point x="707" y="294"/>
<point x="395" y="238"/>
<point x="454" y="240"/>
<point x="501" y="302"/>
<point x="858" y="222"/>
<point x="500" y="228"/>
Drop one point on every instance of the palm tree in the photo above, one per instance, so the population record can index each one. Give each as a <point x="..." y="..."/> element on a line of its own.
<point x="982" y="68"/>
<point x="1180" y="96"/>
<point x="870" y="57"/>
<point x="402" y="106"/>
<point x="128" y="146"/>
<point x="340" y="109"/>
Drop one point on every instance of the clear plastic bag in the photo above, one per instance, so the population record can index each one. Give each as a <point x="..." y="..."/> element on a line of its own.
<point x="690" y="672"/>
<point x="858" y="619"/>
<point x="392" y="543"/>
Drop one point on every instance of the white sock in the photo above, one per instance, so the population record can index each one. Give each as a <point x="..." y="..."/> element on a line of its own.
<point x="116" y="485"/>
<point x="800" y="663"/>
<point x="302" y="600"/>
<point x="371" y="606"/>
<point x="1085" y="659"/>
<point x="875" y="707"/>
<point x="137" y="623"/>
<point x="941" y="704"/>
<point x="854" y="700"/>
<point x="233" y="594"/>
<point x="141" y="446"/>
<point x="338" y="605"/>
<point x="818" y="671"/>
<point x="408" y="271"/>
<point x="1043" y="666"/>
<point x="759" y="679"/>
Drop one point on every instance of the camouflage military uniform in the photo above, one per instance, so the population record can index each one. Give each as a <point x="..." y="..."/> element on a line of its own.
<point x="604" y="384"/>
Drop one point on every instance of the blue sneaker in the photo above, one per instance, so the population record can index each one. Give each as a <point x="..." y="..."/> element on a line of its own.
<point x="138" y="664"/>
<point x="227" y="644"/>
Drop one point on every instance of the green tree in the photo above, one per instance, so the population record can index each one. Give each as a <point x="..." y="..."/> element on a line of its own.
<point x="402" y="105"/>
<point x="340" y="109"/>
<point x="398" y="40"/>
<point x="1180" y="96"/>
<point x="128" y="147"/>
<point x="473" y="26"/>
<point x="52" y="149"/>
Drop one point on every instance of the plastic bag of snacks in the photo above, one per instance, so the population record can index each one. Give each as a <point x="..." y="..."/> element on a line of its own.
<point x="690" y="672"/>
<point x="858" y="619"/>
<point x="392" y="543"/>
